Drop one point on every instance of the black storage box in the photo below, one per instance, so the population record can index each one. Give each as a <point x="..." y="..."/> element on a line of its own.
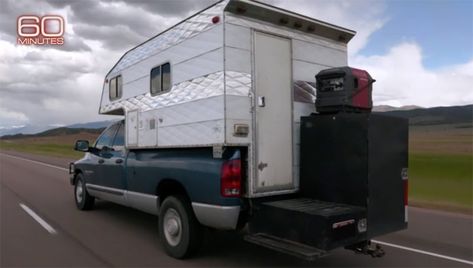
<point x="323" y="225"/>
<point x="358" y="159"/>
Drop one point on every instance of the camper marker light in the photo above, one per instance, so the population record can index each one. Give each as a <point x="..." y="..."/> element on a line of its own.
<point x="283" y="21"/>
<point x="215" y="19"/>
<point x="241" y="10"/>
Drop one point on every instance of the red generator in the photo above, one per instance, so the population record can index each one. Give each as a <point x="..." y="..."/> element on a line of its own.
<point x="344" y="89"/>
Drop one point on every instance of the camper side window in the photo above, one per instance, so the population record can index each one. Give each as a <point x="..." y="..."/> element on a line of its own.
<point x="160" y="79"/>
<point x="115" y="88"/>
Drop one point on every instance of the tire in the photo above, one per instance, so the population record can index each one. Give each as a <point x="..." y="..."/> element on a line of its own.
<point x="179" y="231"/>
<point x="84" y="201"/>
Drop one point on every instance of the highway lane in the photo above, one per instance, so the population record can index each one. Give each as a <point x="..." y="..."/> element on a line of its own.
<point x="112" y="235"/>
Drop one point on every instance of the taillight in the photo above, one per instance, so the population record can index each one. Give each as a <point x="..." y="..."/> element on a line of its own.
<point x="405" y="187"/>
<point x="406" y="191"/>
<point x="230" y="180"/>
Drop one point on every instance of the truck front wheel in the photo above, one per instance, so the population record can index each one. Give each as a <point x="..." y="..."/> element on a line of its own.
<point x="84" y="201"/>
<point x="179" y="231"/>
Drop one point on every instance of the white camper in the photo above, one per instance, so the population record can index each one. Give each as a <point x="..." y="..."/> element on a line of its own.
<point x="239" y="73"/>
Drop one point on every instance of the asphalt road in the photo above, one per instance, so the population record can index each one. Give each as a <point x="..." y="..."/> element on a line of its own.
<point x="40" y="226"/>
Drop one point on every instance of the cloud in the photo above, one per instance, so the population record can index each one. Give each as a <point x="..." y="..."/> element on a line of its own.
<point x="402" y="79"/>
<point x="12" y="116"/>
<point x="172" y="9"/>
<point x="118" y="25"/>
<point x="49" y="86"/>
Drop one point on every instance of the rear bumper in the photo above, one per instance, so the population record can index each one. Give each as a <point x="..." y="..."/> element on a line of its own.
<point x="219" y="217"/>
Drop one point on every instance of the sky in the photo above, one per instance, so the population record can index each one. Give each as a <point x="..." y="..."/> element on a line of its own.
<point x="419" y="51"/>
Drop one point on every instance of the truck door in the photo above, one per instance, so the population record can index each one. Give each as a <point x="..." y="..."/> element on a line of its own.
<point x="97" y="160"/>
<point x="112" y="173"/>
<point x="273" y="81"/>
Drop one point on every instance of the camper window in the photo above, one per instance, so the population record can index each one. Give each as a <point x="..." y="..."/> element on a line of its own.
<point x="115" y="88"/>
<point x="155" y="80"/>
<point x="166" y="79"/>
<point x="160" y="79"/>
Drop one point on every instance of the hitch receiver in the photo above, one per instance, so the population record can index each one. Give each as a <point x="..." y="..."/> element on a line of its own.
<point x="367" y="248"/>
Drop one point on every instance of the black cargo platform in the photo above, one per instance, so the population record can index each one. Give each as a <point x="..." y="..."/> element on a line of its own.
<point x="318" y="224"/>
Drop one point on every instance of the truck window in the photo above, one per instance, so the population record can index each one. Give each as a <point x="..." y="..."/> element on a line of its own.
<point x="119" y="141"/>
<point x="115" y="88"/>
<point x="106" y="138"/>
<point x="160" y="79"/>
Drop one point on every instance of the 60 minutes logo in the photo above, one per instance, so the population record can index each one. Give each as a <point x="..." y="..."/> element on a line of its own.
<point x="35" y="30"/>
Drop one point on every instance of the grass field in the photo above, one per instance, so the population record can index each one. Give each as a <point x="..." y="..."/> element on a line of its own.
<point x="440" y="166"/>
<point x="440" y="162"/>
<point x="443" y="180"/>
<point x="61" y="146"/>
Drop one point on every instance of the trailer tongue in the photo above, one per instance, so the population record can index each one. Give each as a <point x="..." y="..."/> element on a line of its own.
<point x="353" y="176"/>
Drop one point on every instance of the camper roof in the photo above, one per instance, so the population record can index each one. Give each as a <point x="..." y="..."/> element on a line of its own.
<point x="244" y="8"/>
<point x="279" y="16"/>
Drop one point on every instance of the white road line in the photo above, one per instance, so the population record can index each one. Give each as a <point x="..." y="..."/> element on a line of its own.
<point x="37" y="218"/>
<point x="34" y="161"/>
<point x="423" y="252"/>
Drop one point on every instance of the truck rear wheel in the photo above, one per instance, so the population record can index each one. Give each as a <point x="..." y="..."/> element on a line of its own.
<point x="84" y="201"/>
<point x="179" y="230"/>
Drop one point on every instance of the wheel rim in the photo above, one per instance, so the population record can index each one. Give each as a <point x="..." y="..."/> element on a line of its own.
<point x="79" y="191"/>
<point x="172" y="227"/>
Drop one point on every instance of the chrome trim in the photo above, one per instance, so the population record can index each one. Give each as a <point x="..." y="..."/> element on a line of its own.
<point x="145" y="202"/>
<point x="106" y="193"/>
<point x="108" y="190"/>
<point x="219" y="217"/>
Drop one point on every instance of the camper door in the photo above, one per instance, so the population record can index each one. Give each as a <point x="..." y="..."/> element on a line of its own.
<point x="273" y="116"/>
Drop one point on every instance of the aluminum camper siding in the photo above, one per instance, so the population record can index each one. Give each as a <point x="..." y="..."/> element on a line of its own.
<point x="310" y="54"/>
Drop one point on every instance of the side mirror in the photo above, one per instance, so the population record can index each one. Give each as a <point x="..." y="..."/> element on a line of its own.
<point x="82" y="146"/>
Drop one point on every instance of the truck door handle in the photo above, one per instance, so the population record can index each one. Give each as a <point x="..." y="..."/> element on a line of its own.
<point x="101" y="161"/>
<point x="119" y="161"/>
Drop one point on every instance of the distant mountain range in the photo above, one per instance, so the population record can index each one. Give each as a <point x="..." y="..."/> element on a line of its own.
<point x="33" y="129"/>
<point x="437" y="115"/>
<point x="60" y="131"/>
<point x="416" y="115"/>
<point x="388" y="108"/>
